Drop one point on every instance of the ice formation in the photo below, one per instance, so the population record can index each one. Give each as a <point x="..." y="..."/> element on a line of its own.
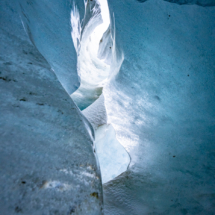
<point x="96" y="50"/>
<point x="47" y="163"/>
<point x="156" y="100"/>
<point x="205" y="3"/>
<point x="162" y="108"/>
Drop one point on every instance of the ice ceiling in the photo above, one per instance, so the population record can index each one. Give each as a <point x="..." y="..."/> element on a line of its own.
<point x="109" y="108"/>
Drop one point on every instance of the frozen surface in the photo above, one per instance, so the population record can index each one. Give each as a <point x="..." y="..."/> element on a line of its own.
<point x="161" y="105"/>
<point x="95" y="49"/>
<point x="113" y="158"/>
<point x="92" y="71"/>
<point x="47" y="24"/>
<point x="162" y="108"/>
<point x="204" y="3"/>
<point x="85" y="95"/>
<point x="96" y="113"/>
<point x="105" y="46"/>
<point x="47" y="164"/>
<point x="198" y="2"/>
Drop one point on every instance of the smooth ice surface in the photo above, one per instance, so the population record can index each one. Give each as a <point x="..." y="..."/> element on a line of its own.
<point x="47" y="163"/>
<point x="113" y="158"/>
<point x="162" y="108"/>
<point x="96" y="113"/>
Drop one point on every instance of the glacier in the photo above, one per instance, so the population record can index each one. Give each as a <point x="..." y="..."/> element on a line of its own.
<point x="120" y="125"/>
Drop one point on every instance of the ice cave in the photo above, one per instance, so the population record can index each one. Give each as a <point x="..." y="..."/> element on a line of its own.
<point x="107" y="107"/>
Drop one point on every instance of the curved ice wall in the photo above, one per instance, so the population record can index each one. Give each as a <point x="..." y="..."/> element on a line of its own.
<point x="47" y="160"/>
<point x="160" y="104"/>
<point x="49" y="33"/>
<point x="162" y="107"/>
<point x="47" y="24"/>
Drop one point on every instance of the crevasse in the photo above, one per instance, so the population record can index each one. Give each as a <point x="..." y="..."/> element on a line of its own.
<point x="97" y="64"/>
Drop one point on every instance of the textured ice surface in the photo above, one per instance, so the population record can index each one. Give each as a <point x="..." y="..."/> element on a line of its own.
<point x="47" y="24"/>
<point x="105" y="46"/>
<point x="190" y="2"/>
<point x="113" y="158"/>
<point x="47" y="164"/>
<point x="85" y="95"/>
<point x="96" y="113"/>
<point x="92" y="71"/>
<point x="162" y="107"/>
<point x="96" y="58"/>
<point x="203" y="3"/>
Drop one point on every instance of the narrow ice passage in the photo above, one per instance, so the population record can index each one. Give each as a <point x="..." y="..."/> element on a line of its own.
<point x="96" y="50"/>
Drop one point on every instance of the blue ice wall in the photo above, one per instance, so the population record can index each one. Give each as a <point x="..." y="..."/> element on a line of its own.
<point x="47" y="162"/>
<point x="48" y="26"/>
<point x="164" y="92"/>
<point x="161" y="105"/>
